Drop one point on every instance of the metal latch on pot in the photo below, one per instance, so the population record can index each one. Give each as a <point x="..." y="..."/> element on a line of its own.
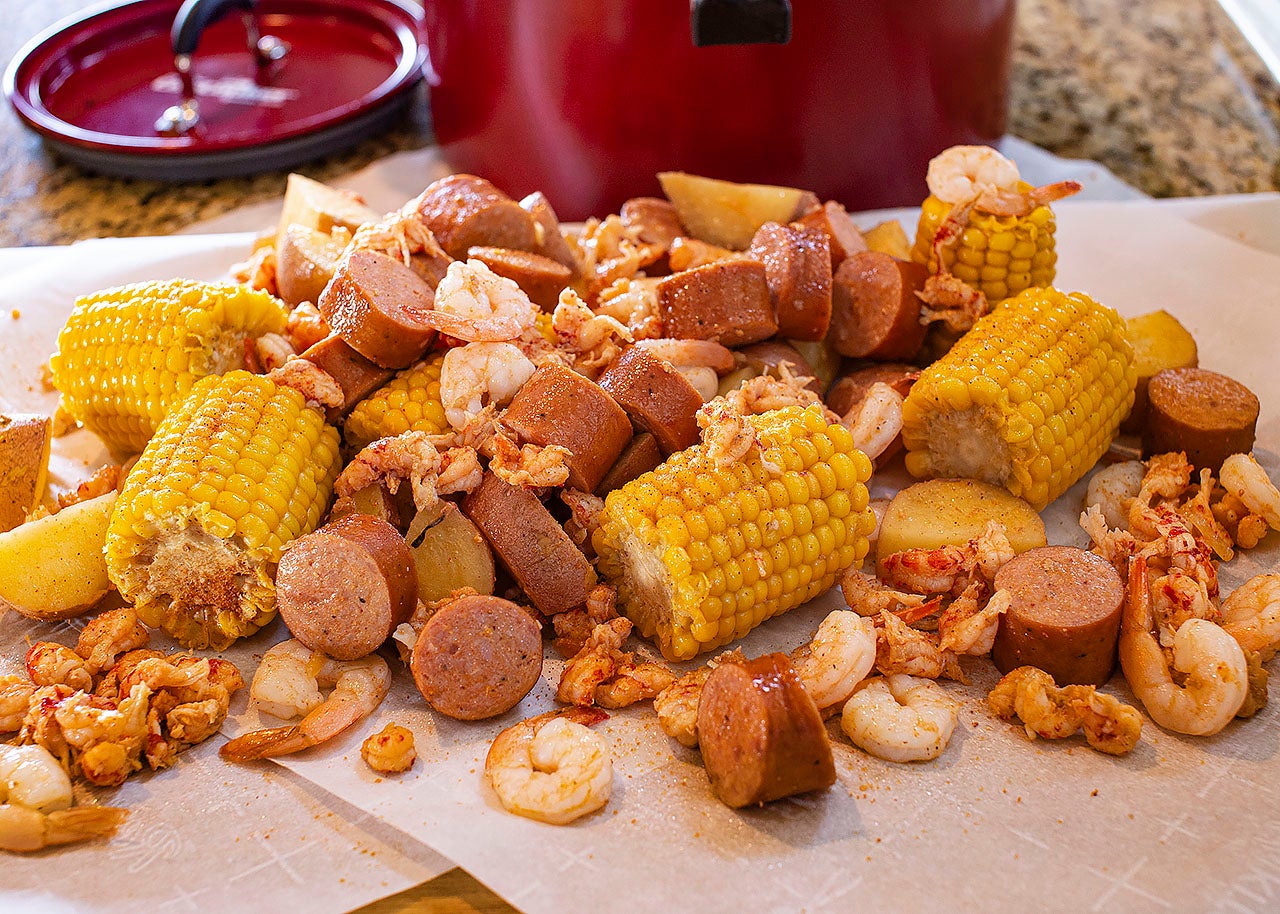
<point x="740" y="22"/>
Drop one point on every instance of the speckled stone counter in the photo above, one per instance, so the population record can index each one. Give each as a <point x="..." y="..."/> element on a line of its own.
<point x="1165" y="93"/>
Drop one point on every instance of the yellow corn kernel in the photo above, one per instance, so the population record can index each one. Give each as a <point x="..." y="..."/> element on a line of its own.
<point x="408" y="402"/>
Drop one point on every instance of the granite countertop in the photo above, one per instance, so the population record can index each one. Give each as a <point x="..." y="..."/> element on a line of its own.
<point x="1166" y="93"/>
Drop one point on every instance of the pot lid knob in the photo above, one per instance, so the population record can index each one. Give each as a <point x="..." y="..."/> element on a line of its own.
<point x="740" y="22"/>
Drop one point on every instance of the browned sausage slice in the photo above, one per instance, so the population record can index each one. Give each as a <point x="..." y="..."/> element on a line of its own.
<point x="464" y="211"/>
<point x="356" y="375"/>
<point x="797" y="263"/>
<point x="727" y="301"/>
<point x="640" y="456"/>
<point x="549" y="568"/>
<point x="304" y="263"/>
<point x="849" y="389"/>
<point x="760" y="733"/>
<point x="376" y="304"/>
<point x="541" y="278"/>
<point x="657" y="398"/>
<point x="477" y="657"/>
<point x="1064" y="617"/>
<point x="834" y="222"/>
<point x="875" y="312"/>
<point x="343" y="589"/>
<point x="559" y="406"/>
<point x="1205" y="414"/>
<point x="654" y="219"/>
<point x="550" y="243"/>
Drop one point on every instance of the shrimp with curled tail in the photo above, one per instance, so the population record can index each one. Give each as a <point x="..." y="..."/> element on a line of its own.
<point x="840" y="656"/>
<point x="551" y="767"/>
<point x="477" y="374"/>
<point x="900" y="718"/>
<point x="35" y="804"/>
<point x="1050" y="712"/>
<point x="982" y="177"/>
<point x="1251" y="614"/>
<point x="1213" y="674"/>
<point x="475" y="304"/>
<point x="1245" y="478"/>
<point x="287" y="683"/>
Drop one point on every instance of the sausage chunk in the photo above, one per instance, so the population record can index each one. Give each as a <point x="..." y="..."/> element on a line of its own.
<point x="1206" y="414"/>
<point x="875" y="313"/>
<point x="541" y="278"/>
<point x="356" y="375"/>
<point x="761" y="735"/>
<point x="477" y="657"/>
<point x="833" y="221"/>
<point x="797" y="263"/>
<point x="727" y="301"/>
<point x="640" y="456"/>
<point x="549" y="568"/>
<point x="559" y="406"/>
<point x="464" y="211"/>
<point x="1064" y="617"/>
<point x="658" y="398"/>
<point x="654" y="220"/>
<point x="375" y="303"/>
<point x="547" y="228"/>
<point x="343" y="589"/>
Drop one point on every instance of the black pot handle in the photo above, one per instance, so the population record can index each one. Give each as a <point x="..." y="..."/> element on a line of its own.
<point x="740" y="22"/>
<point x="195" y="16"/>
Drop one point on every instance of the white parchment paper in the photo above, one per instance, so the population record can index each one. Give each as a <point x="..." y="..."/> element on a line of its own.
<point x="995" y="824"/>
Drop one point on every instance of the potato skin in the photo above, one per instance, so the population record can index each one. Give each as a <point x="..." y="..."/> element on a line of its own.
<point x="53" y="568"/>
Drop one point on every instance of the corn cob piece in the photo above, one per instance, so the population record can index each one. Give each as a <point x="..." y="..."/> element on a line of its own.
<point x="998" y="255"/>
<point x="237" y="470"/>
<point x="408" y="402"/>
<point x="126" y="355"/>
<point x="1028" y="399"/>
<point x="703" y="553"/>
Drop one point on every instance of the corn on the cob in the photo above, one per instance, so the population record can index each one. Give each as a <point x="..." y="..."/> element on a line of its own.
<point x="1029" y="399"/>
<point x="408" y="402"/>
<point x="237" y="470"/>
<point x="126" y="355"/>
<point x="703" y="553"/>
<point x="998" y="255"/>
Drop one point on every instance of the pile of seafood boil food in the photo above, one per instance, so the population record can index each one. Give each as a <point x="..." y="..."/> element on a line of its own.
<point x="459" y="435"/>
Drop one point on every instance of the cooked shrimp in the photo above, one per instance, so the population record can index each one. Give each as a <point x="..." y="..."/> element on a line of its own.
<point x="530" y="464"/>
<point x="1116" y="546"/>
<point x="634" y="302"/>
<point x="477" y="374"/>
<point x="108" y="636"/>
<point x="964" y="173"/>
<point x="1113" y="488"/>
<point x="1198" y="513"/>
<point x="947" y="299"/>
<point x="840" y="656"/>
<point x="584" y="514"/>
<point x="691" y="353"/>
<point x="35" y="803"/>
<point x="677" y="704"/>
<point x="400" y="234"/>
<point x="390" y="750"/>
<point x="867" y="596"/>
<point x="609" y="250"/>
<point x="574" y="627"/>
<point x="602" y="673"/>
<point x="305" y="327"/>
<point x="950" y="569"/>
<point x="968" y="626"/>
<point x="1251" y="614"/>
<point x="1167" y="476"/>
<point x="15" y="699"/>
<point x="594" y="339"/>
<point x="1245" y="478"/>
<point x="290" y="683"/>
<point x="315" y="384"/>
<point x="551" y="767"/>
<point x="1050" y="712"/>
<point x="634" y="682"/>
<point x="900" y="718"/>
<point x="1213" y="675"/>
<point x="50" y="663"/>
<point x="105" y="479"/>
<point x="765" y="392"/>
<point x="475" y="304"/>
<point x="902" y="649"/>
<point x="273" y="350"/>
<point x="409" y="456"/>
<point x="876" y="421"/>
<point x="106" y="738"/>
<point x="728" y="436"/>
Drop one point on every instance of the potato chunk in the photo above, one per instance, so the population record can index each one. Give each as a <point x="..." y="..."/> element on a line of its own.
<point x="53" y="568"/>
<point x="305" y="260"/>
<point x="728" y="214"/>
<point x="450" y="553"/>
<point x="320" y="207"/>
<point x="940" y="512"/>
<point x="1159" y="341"/>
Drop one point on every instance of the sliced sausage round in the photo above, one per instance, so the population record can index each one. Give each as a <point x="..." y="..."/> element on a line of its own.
<point x="376" y="303"/>
<point x="1064" y="617"/>
<point x="541" y="278"/>
<point x="875" y="313"/>
<point x="550" y="243"/>
<point x="727" y="301"/>
<point x="761" y="735"/>
<point x="833" y="221"/>
<point x="797" y="263"/>
<point x="654" y="219"/>
<point x="1205" y="414"/>
<point x="464" y="211"/>
<point x="343" y="589"/>
<point x="850" y="387"/>
<point x="640" y="456"/>
<point x="657" y="397"/>
<point x="477" y="657"/>
<point x="356" y="375"/>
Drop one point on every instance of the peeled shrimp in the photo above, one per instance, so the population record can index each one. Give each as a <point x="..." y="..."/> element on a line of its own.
<point x="1245" y="478"/>
<point x="949" y="569"/>
<point x="702" y="362"/>
<point x="15" y="699"/>
<point x="902" y="649"/>
<point x="1050" y="712"/>
<point x="35" y="803"/>
<point x="109" y="635"/>
<point x="475" y="304"/>
<point x="50" y="663"/>
<point x="390" y="750"/>
<point x="596" y="339"/>
<point x="1251" y="614"/>
<point x="964" y="173"/>
<point x="478" y="374"/>
<point x="677" y="704"/>
<point x="727" y="435"/>
<point x="868" y="597"/>
<point x="287" y="683"/>
<point x="1113" y="488"/>
<point x="551" y="767"/>
<point x="900" y="718"/>
<point x="764" y="393"/>
<point x="1212" y="663"/>
<point x="877" y="421"/>
<point x="968" y="626"/>
<point x="841" y="654"/>
<point x="108" y="738"/>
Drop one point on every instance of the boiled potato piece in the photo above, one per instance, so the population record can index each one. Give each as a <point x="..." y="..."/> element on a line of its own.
<point x="941" y="512"/>
<point x="728" y="214"/>
<point x="1159" y="341"/>
<point x="304" y="263"/>
<point x="888" y="238"/>
<point x="317" y="206"/>
<point x="24" y="465"/>
<point x="53" y="568"/>
<point x="449" y="552"/>
<point x="822" y="358"/>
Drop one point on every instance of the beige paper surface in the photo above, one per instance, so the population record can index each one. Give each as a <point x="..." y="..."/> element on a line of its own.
<point x="995" y="824"/>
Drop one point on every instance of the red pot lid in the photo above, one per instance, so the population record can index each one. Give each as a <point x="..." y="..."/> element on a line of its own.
<point x="97" y="85"/>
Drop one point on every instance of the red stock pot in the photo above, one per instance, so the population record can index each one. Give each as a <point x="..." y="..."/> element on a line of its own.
<point x="587" y="100"/>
